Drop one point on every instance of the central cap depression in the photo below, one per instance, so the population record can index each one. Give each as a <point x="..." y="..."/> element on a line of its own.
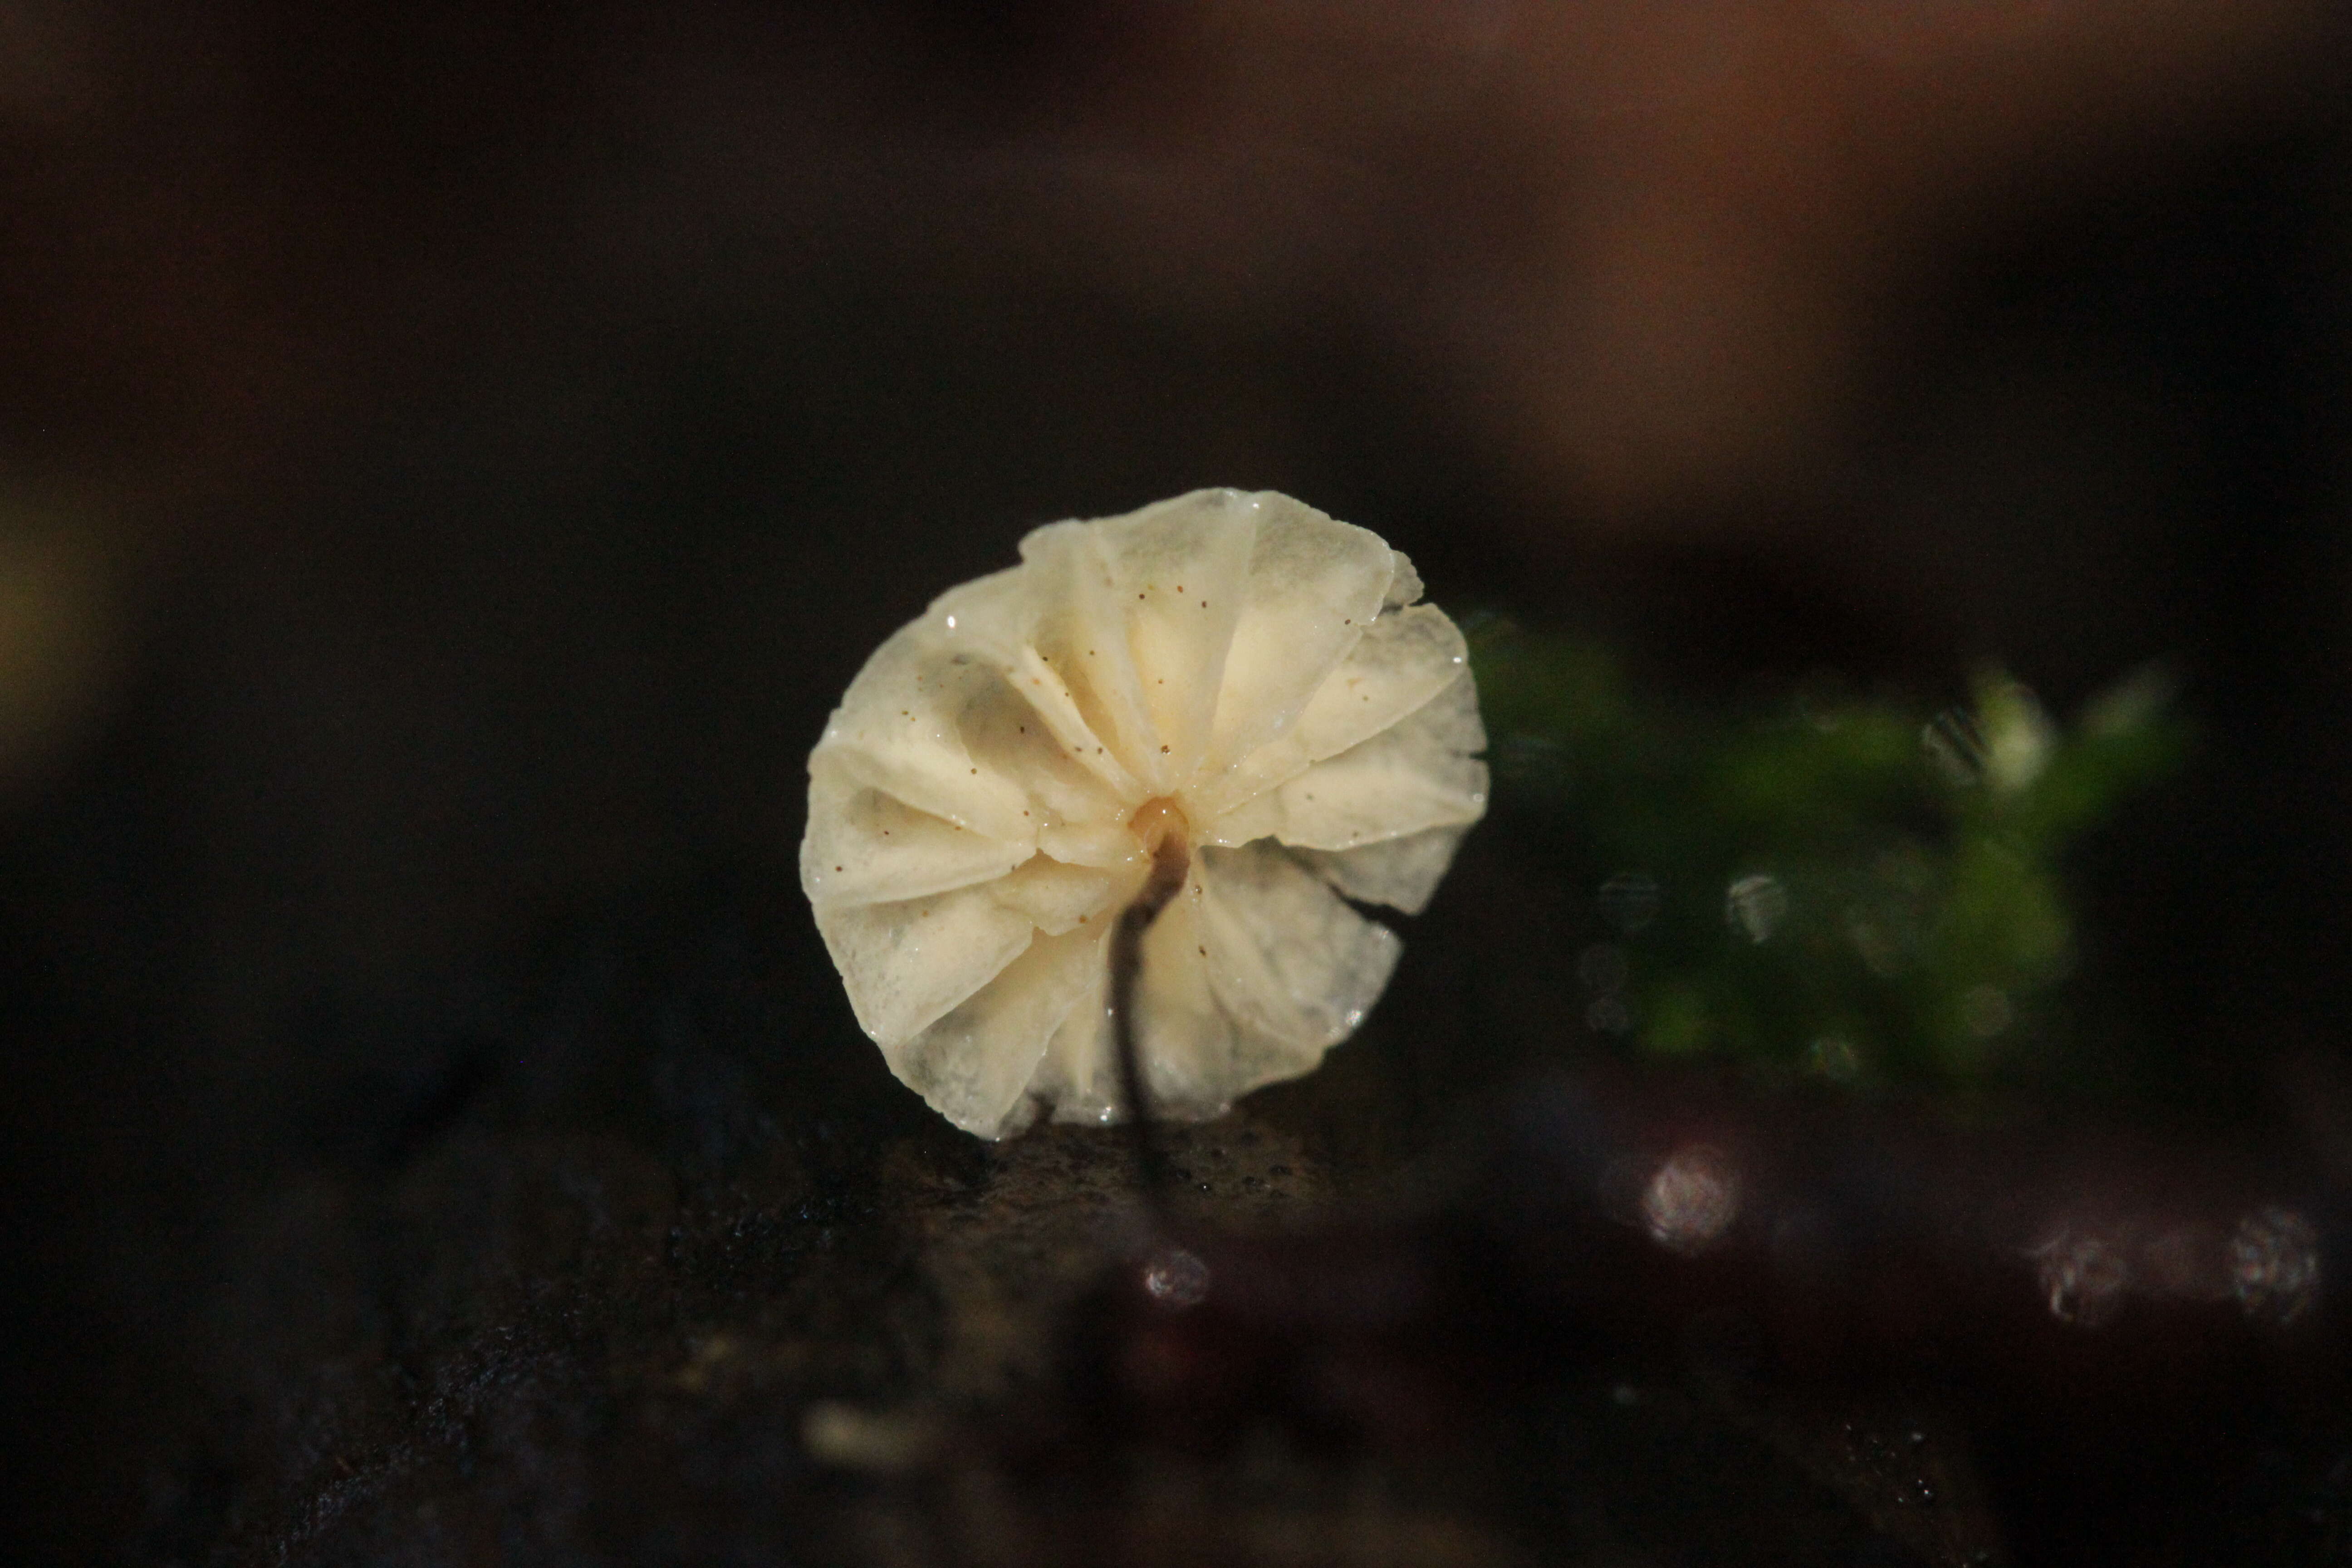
<point x="1236" y="679"/>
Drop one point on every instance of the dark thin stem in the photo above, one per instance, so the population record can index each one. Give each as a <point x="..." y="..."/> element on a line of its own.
<point x="1170" y="863"/>
<point x="1125" y="963"/>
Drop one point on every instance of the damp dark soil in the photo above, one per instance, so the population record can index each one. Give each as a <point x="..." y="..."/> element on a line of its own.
<point x="664" y="1268"/>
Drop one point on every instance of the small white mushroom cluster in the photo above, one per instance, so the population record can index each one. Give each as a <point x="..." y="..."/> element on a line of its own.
<point x="1230" y="689"/>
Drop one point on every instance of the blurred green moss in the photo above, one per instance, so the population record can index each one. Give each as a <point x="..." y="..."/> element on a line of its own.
<point x="1857" y="889"/>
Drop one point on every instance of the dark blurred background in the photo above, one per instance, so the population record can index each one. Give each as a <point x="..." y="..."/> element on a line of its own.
<point x="453" y="456"/>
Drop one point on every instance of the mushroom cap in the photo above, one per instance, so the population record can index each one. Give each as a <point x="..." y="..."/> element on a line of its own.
<point x="988" y="798"/>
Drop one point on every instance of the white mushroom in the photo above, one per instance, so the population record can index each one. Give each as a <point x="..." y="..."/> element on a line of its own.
<point x="1232" y="689"/>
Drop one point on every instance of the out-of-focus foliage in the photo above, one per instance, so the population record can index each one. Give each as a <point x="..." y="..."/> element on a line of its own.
<point x="1850" y="887"/>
